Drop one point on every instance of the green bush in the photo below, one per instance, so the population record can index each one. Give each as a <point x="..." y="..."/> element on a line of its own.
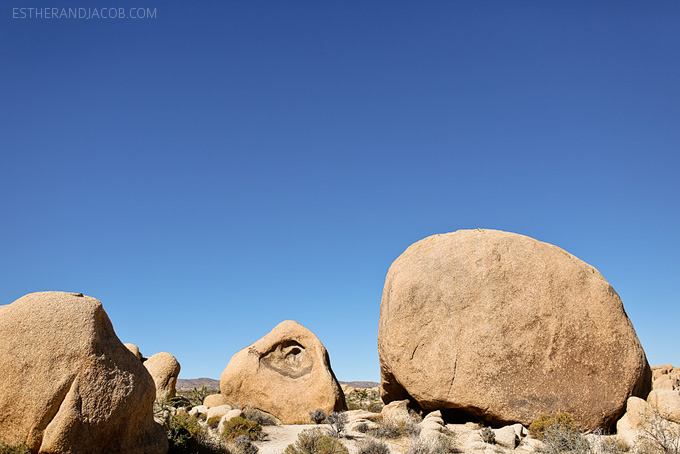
<point x="238" y="426"/>
<point x="260" y="417"/>
<point x="545" y="422"/>
<point x="18" y="448"/>
<point x="183" y="431"/>
<point x="314" y="441"/>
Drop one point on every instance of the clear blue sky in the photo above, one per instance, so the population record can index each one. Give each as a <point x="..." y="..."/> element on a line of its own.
<point x="224" y="166"/>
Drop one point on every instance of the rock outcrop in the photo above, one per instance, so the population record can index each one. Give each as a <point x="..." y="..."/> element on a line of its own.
<point x="286" y="373"/>
<point x="501" y="327"/>
<point x="135" y="350"/>
<point x="69" y="385"/>
<point x="164" y="369"/>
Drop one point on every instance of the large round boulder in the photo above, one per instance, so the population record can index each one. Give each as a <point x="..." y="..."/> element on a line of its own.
<point x="286" y="373"/>
<point x="68" y="384"/>
<point x="500" y="327"/>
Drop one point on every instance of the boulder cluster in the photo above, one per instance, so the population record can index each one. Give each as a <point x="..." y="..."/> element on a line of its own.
<point x="481" y="333"/>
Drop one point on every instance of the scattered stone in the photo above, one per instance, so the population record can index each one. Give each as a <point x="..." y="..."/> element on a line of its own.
<point x="292" y="365"/>
<point x="214" y="400"/>
<point x="484" y="319"/>
<point x="199" y="410"/>
<point x="69" y="385"/>
<point x="214" y="414"/>
<point x="506" y="437"/>
<point x="164" y="368"/>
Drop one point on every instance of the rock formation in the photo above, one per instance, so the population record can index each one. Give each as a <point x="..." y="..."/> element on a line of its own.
<point x="501" y="327"/>
<point x="135" y="350"/>
<point x="286" y="373"/>
<point x="164" y="369"/>
<point x="68" y="383"/>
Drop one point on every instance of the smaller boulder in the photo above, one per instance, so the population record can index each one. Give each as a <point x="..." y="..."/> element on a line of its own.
<point x="214" y="400"/>
<point x="396" y="410"/>
<point x="228" y="416"/>
<point x="666" y="403"/>
<point x="506" y="437"/>
<point x="199" y="410"/>
<point x="135" y="350"/>
<point x="214" y="414"/>
<point x="164" y="369"/>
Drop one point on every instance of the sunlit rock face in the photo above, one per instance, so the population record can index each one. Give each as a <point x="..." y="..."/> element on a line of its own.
<point x="286" y="373"/>
<point x="500" y="327"/>
<point x="68" y="384"/>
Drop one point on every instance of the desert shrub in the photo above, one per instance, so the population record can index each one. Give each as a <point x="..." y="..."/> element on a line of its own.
<point x="243" y="445"/>
<point x="373" y="446"/>
<point x="439" y="445"/>
<point x="18" y="448"/>
<point x="317" y="416"/>
<point x="544" y="422"/>
<point x="161" y="409"/>
<point x="487" y="435"/>
<point x="238" y="426"/>
<point x="361" y="427"/>
<point x="260" y="417"/>
<point x="183" y="432"/>
<point x="337" y="421"/>
<point x="198" y="395"/>
<point x="213" y="421"/>
<point x="601" y="444"/>
<point x="396" y="428"/>
<point x="658" y="436"/>
<point x="180" y="401"/>
<point x="564" y="437"/>
<point x="314" y="441"/>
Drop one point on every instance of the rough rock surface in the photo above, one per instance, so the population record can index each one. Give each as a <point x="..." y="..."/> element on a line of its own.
<point x="69" y="385"/>
<point x="164" y="368"/>
<point x="502" y="327"/>
<point x="286" y="373"/>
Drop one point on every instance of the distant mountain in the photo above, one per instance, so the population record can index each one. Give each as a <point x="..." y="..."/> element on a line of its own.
<point x="360" y="384"/>
<point x="187" y="384"/>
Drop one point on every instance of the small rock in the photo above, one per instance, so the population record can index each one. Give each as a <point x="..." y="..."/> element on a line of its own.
<point x="214" y="400"/>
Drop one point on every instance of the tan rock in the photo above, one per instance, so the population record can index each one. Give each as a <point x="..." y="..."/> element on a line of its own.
<point x="214" y="414"/>
<point x="199" y="410"/>
<point x="135" y="350"/>
<point x="68" y="383"/>
<point x="663" y="382"/>
<point x="214" y="400"/>
<point x="658" y="371"/>
<point x="396" y="411"/>
<point x="506" y="437"/>
<point x="286" y="373"/>
<point x="503" y="327"/>
<point x="360" y="415"/>
<point x="164" y="368"/>
<point x="666" y="403"/>
<point x="228" y="416"/>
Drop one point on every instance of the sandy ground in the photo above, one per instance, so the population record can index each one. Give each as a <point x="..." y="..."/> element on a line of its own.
<point x="278" y="437"/>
